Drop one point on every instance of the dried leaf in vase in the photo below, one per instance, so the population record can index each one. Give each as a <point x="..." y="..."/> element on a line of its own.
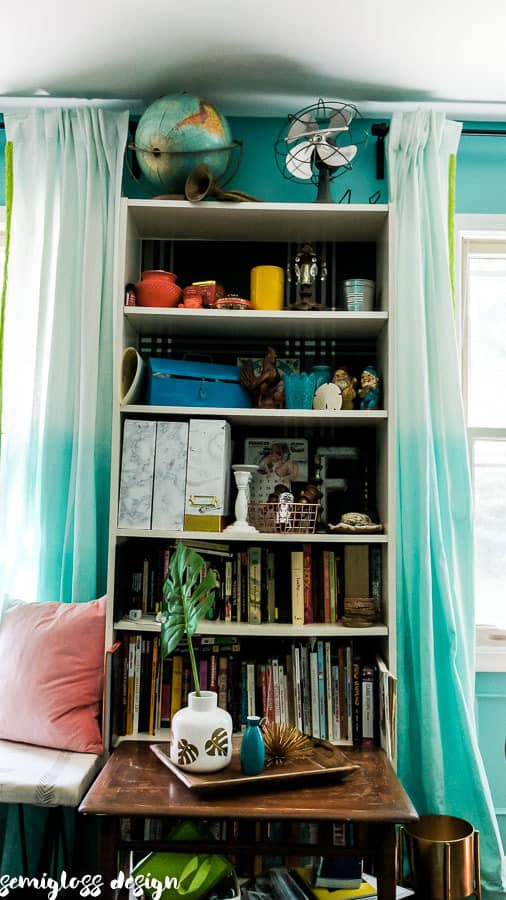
<point x="284" y="744"/>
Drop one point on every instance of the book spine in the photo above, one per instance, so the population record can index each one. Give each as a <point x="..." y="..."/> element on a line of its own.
<point x="348" y="694"/>
<point x="375" y="575"/>
<point x="244" y="586"/>
<point x="290" y="709"/>
<point x="297" y="686"/>
<point x="153" y="692"/>
<point x="306" y="689"/>
<point x="356" y="665"/>
<point x="271" y="586"/>
<point x="356" y="570"/>
<point x="228" y="589"/>
<point x="254" y="585"/>
<point x="297" y="586"/>
<point x="328" y="693"/>
<point x="367" y="697"/>
<point x="335" y="703"/>
<point x="122" y="725"/>
<point x="177" y="684"/>
<point x="275" y="687"/>
<point x="145" y="688"/>
<point x="326" y="585"/>
<point x="308" y="583"/>
<point x="222" y="680"/>
<point x="283" y="701"/>
<point x="145" y="585"/>
<point x="251" y="688"/>
<point x="315" y="706"/>
<point x="137" y="682"/>
<point x="166" y="692"/>
<point x="322" y="699"/>
<point x="332" y="587"/>
<point x="269" y="709"/>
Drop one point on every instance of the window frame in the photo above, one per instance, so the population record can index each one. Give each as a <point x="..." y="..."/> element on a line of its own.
<point x="490" y="641"/>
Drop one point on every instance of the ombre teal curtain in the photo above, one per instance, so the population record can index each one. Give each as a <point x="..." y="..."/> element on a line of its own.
<point x="57" y="359"/>
<point x="439" y="760"/>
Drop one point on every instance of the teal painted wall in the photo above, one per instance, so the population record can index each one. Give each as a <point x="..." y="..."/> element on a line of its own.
<point x="258" y="173"/>
<point x="481" y="171"/>
<point x="491" y="718"/>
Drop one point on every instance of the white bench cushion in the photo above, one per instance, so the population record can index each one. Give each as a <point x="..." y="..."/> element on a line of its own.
<point x="44" y="777"/>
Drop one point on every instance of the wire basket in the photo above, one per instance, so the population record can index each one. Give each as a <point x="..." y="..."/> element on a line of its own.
<point x="282" y="518"/>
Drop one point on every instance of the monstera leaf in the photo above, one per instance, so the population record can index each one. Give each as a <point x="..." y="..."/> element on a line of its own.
<point x="217" y="745"/>
<point x="186" y="752"/>
<point x="187" y="599"/>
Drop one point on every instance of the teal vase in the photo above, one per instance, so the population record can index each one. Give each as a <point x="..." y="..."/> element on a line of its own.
<point x="252" y="748"/>
<point x="323" y="375"/>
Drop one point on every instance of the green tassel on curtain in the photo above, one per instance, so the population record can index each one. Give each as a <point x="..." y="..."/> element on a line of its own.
<point x="452" y="170"/>
<point x="8" y="211"/>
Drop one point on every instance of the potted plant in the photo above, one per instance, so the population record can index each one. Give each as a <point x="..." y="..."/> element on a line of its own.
<point x="202" y="731"/>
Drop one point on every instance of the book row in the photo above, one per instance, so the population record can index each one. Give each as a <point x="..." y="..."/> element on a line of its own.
<point x="328" y="689"/>
<point x="258" y="584"/>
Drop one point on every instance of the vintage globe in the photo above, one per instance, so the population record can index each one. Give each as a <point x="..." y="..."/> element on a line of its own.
<point x="177" y="133"/>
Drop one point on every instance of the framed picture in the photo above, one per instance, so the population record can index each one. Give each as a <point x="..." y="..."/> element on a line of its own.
<point x="283" y="461"/>
<point x="284" y="366"/>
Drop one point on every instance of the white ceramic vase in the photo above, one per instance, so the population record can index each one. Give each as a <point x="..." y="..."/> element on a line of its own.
<point x="201" y="734"/>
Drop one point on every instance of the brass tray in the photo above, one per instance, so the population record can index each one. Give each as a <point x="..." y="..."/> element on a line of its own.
<point x="326" y="761"/>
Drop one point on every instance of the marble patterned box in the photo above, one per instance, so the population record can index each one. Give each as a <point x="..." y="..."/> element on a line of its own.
<point x="137" y="467"/>
<point x="170" y="475"/>
<point x="208" y="475"/>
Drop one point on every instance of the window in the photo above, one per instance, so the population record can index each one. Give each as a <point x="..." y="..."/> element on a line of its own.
<point x="483" y="339"/>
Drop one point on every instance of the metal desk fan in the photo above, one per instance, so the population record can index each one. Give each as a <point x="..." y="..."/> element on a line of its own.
<point x="319" y="143"/>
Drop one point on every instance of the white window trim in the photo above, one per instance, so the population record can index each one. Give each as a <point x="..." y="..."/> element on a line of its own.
<point x="490" y="642"/>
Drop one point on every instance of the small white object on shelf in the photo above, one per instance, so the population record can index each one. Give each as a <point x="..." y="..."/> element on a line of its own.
<point x="242" y="475"/>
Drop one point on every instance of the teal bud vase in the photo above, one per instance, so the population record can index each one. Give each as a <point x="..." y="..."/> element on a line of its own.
<point x="252" y="748"/>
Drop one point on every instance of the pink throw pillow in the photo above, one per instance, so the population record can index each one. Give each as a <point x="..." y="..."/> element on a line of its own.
<point x="52" y="674"/>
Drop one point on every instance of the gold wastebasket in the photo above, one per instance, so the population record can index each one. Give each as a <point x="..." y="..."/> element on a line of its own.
<point x="443" y="855"/>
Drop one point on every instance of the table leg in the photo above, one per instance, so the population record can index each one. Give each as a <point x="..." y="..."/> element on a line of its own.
<point x="108" y="854"/>
<point x="386" y="860"/>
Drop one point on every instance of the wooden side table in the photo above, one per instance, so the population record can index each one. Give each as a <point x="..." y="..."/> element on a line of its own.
<point x="134" y="783"/>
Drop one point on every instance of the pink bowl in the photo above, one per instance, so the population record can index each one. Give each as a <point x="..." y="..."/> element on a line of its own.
<point x="158" y="288"/>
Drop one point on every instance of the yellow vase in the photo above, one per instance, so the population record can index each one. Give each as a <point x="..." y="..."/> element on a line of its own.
<point x="267" y="287"/>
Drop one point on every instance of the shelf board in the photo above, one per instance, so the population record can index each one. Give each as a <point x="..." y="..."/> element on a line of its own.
<point x="273" y="222"/>
<point x="316" y="418"/>
<point x="255" y="323"/>
<point x="260" y="538"/>
<point x="244" y="629"/>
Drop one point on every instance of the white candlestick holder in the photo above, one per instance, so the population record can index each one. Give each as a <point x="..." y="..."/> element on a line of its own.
<point x="242" y="475"/>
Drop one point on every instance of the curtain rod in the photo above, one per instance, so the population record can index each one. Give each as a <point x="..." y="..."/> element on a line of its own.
<point x="474" y="132"/>
<point x="488" y="132"/>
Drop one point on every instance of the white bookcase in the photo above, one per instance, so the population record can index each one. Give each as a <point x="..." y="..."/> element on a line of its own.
<point x="336" y="226"/>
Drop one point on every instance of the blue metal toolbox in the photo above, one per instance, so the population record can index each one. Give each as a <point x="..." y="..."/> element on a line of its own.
<point x="181" y="382"/>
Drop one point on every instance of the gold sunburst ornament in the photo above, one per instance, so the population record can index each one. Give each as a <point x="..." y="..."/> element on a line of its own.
<point x="284" y="744"/>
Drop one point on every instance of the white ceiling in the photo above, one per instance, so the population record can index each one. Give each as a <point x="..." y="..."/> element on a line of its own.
<point x="258" y="57"/>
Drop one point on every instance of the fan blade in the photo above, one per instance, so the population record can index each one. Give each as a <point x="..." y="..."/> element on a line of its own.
<point x="299" y="127"/>
<point x="341" y="118"/>
<point x="336" y="156"/>
<point x="298" y="160"/>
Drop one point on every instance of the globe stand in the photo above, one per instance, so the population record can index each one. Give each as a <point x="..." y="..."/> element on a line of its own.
<point x="242" y="475"/>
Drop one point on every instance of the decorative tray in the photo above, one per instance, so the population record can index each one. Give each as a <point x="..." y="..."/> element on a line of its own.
<point x="325" y="761"/>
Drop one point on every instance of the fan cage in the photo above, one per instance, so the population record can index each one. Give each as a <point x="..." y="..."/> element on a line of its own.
<point x="321" y="112"/>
